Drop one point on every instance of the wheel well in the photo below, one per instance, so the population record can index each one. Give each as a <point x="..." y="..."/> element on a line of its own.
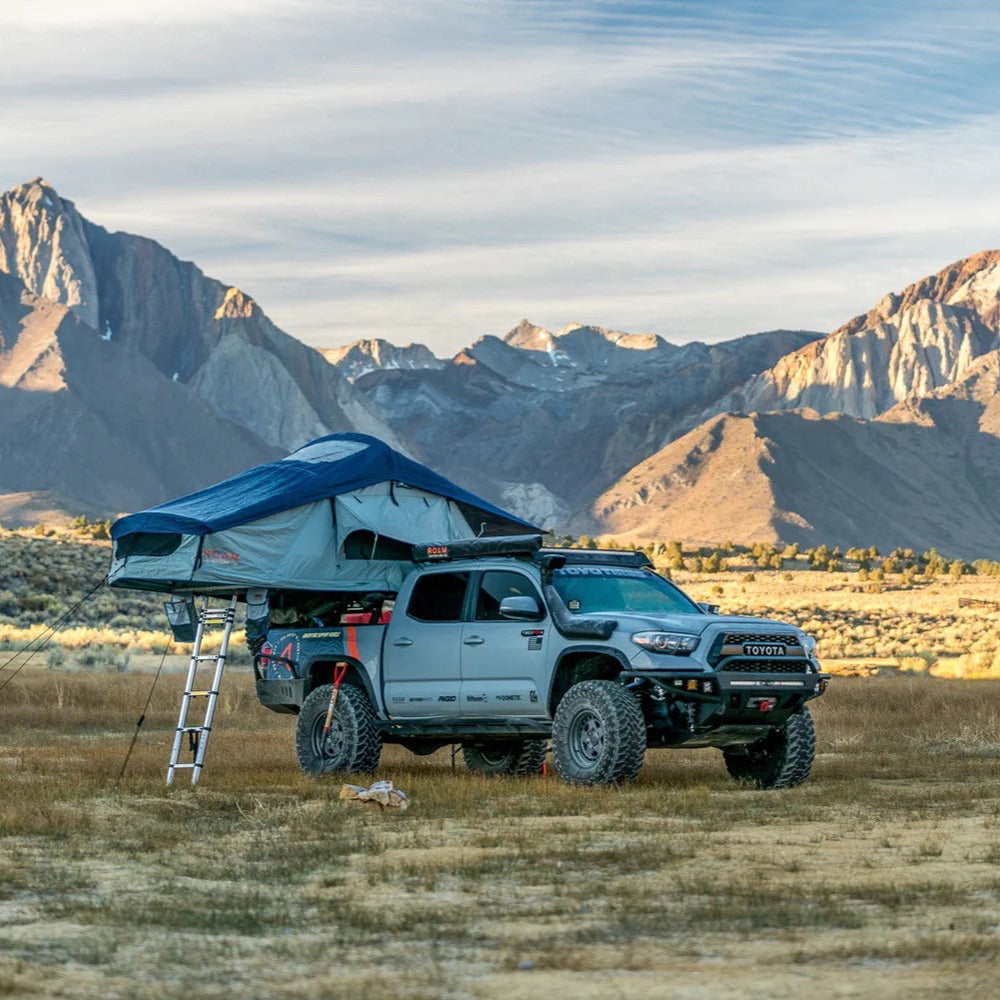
<point x="581" y="665"/>
<point x="321" y="672"/>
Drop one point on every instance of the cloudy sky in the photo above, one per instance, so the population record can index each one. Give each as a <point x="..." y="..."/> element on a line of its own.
<point x="437" y="170"/>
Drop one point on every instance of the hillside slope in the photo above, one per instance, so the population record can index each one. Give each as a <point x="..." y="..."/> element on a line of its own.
<point x="127" y="376"/>
<point x="798" y="477"/>
<point x="92" y="426"/>
<point x="543" y="422"/>
<point x="909" y="344"/>
<point x="192" y="328"/>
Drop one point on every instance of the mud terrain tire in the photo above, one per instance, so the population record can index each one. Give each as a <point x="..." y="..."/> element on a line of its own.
<point x="353" y="744"/>
<point x="598" y="735"/>
<point x="505" y="757"/>
<point x="782" y="759"/>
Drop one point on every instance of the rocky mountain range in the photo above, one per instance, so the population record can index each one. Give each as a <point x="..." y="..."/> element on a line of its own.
<point x="128" y="376"/>
<point x="796" y="476"/>
<point x="90" y="426"/>
<point x="189" y="370"/>
<point x="364" y="356"/>
<point x="545" y="421"/>
<point x="193" y="329"/>
<point x="883" y="432"/>
<point x="888" y="429"/>
<point x="908" y="345"/>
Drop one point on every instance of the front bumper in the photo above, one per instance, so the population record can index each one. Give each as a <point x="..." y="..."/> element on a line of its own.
<point x="720" y="708"/>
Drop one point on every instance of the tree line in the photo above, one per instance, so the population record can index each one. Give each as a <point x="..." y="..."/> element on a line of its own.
<point x="869" y="563"/>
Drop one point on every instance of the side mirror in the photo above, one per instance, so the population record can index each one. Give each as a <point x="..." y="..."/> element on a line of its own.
<point x="520" y="607"/>
<point x="709" y="609"/>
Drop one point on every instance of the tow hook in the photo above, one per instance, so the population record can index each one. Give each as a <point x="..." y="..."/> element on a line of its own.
<point x="762" y="704"/>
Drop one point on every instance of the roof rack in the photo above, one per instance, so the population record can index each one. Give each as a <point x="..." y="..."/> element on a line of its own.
<point x="527" y="546"/>
<point x="556" y="558"/>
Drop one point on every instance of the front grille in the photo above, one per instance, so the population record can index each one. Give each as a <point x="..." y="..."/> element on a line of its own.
<point x="765" y="667"/>
<point x="732" y="644"/>
<point x="739" y="638"/>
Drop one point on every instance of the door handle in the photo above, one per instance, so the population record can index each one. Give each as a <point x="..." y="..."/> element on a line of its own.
<point x="474" y="640"/>
<point x="402" y="641"/>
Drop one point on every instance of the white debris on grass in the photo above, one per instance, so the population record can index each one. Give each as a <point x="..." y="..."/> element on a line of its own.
<point x="381" y="794"/>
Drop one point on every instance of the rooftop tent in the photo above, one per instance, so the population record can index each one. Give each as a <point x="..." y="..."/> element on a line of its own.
<point x="338" y="514"/>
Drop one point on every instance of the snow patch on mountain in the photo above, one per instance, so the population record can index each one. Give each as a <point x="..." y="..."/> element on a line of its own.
<point x="364" y="356"/>
<point x="534" y="503"/>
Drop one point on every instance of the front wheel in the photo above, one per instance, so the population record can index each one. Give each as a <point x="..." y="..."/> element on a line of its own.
<point x="353" y="742"/>
<point x="598" y="734"/>
<point x="505" y="757"/>
<point x="782" y="759"/>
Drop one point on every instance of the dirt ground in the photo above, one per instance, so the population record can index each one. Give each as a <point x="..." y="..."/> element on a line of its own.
<point x="880" y="876"/>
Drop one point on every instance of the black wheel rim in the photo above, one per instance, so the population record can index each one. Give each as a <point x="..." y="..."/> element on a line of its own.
<point x="330" y="745"/>
<point x="586" y="738"/>
<point x="493" y="755"/>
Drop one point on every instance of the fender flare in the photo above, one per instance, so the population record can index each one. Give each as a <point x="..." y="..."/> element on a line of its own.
<point x="612" y="652"/>
<point x="317" y="673"/>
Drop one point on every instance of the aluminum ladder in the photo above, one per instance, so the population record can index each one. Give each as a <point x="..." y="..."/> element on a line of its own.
<point x="198" y="735"/>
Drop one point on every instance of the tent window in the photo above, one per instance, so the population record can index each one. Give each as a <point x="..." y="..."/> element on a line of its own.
<point x="147" y="543"/>
<point x="364" y="544"/>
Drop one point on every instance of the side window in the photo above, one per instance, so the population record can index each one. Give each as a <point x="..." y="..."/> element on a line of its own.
<point x="495" y="586"/>
<point x="438" y="597"/>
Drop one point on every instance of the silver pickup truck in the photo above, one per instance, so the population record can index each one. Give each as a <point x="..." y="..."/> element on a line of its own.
<point x="503" y="646"/>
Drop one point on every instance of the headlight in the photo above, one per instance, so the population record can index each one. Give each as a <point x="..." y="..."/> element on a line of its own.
<point x="674" y="643"/>
<point x="809" y="645"/>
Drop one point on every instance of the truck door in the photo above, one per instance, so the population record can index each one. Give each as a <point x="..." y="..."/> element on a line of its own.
<point x="503" y="660"/>
<point x="421" y="660"/>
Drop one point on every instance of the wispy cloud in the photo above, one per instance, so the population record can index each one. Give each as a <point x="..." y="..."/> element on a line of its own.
<point x="435" y="171"/>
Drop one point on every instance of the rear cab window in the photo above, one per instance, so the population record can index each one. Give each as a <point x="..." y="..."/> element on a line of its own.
<point x="438" y="597"/>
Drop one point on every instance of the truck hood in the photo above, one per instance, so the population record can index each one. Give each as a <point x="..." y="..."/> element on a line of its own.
<point x="630" y="622"/>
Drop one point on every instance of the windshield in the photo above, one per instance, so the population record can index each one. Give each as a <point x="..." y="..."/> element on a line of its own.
<point x="588" y="590"/>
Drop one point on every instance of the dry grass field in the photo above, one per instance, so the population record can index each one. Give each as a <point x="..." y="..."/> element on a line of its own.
<point x="942" y="626"/>
<point x="916" y="627"/>
<point x="902" y="620"/>
<point x="878" y="877"/>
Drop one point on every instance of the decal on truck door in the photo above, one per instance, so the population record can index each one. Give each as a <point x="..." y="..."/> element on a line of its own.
<point x="534" y="637"/>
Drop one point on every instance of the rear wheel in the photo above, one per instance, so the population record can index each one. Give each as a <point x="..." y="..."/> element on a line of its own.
<point x="782" y="759"/>
<point x="353" y="742"/>
<point x="598" y="735"/>
<point x="505" y="757"/>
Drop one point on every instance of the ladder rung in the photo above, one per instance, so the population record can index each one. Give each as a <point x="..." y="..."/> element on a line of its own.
<point x="224" y="617"/>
